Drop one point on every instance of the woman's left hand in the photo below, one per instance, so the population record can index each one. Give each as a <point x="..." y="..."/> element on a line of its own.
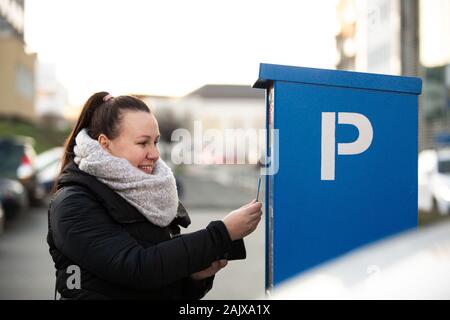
<point x="212" y="270"/>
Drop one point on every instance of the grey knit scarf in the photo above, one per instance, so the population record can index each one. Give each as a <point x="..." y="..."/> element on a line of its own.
<point x="154" y="195"/>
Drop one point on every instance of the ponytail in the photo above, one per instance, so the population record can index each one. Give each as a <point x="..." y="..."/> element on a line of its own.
<point x="84" y="121"/>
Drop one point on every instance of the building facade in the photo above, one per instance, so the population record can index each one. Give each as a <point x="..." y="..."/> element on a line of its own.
<point x="51" y="95"/>
<point x="227" y="112"/>
<point x="435" y="57"/>
<point x="17" y="76"/>
<point x="436" y="106"/>
<point x="396" y="37"/>
<point x="369" y="36"/>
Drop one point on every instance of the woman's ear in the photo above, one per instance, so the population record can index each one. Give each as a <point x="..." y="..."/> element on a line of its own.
<point x="103" y="141"/>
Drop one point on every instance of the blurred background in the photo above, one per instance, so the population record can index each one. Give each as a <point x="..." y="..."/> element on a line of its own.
<point x="194" y="61"/>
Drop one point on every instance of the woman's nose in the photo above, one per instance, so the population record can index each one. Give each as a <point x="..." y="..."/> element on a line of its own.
<point x="153" y="154"/>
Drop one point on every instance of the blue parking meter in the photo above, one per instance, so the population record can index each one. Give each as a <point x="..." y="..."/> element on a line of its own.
<point x="342" y="147"/>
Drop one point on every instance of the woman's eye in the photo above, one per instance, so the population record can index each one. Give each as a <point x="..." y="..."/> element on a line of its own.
<point x="146" y="142"/>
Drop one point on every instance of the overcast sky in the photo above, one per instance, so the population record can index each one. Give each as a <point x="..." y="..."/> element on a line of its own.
<point x="172" y="47"/>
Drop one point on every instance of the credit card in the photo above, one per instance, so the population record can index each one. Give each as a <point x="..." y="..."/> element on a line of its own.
<point x="259" y="185"/>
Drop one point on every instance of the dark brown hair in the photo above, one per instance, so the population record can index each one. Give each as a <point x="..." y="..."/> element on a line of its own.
<point x="99" y="116"/>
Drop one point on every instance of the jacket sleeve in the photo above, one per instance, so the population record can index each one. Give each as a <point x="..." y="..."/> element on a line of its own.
<point x="86" y="234"/>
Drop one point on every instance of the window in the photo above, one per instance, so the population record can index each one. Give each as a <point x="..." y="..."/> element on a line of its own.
<point x="24" y="81"/>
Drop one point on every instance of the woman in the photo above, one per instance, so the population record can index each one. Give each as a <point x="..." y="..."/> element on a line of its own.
<point x="114" y="218"/>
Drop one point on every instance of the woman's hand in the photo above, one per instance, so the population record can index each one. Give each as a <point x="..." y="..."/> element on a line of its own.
<point x="212" y="270"/>
<point x="243" y="221"/>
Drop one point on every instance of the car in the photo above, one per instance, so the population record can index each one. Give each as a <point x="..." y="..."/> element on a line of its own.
<point x="2" y="218"/>
<point x="434" y="181"/>
<point x="48" y="165"/>
<point x="13" y="197"/>
<point x="414" y="264"/>
<point x="18" y="157"/>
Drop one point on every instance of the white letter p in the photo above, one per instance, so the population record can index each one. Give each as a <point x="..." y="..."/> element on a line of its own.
<point x="329" y="139"/>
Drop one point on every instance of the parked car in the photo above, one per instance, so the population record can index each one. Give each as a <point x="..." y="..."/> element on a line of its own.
<point x="411" y="265"/>
<point x="48" y="165"/>
<point x="434" y="181"/>
<point x="18" y="156"/>
<point x="13" y="197"/>
<point x="2" y="218"/>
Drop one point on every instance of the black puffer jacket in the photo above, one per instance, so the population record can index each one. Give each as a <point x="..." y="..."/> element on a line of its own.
<point x="121" y="255"/>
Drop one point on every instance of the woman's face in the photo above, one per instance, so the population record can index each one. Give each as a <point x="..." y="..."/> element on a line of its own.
<point x="137" y="140"/>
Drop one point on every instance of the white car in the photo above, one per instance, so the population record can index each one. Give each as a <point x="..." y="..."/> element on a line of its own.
<point x="434" y="181"/>
<point x="409" y="266"/>
<point x="48" y="166"/>
<point x="2" y="218"/>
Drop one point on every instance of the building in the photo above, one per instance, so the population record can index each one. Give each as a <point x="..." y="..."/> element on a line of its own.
<point x="436" y="105"/>
<point x="227" y="106"/>
<point x="17" y="78"/>
<point x="216" y="109"/>
<point x="435" y="58"/>
<point x="381" y="36"/>
<point x="388" y="38"/>
<point x="435" y="32"/>
<point x="51" y="96"/>
<point x="369" y="36"/>
<point x="12" y="19"/>
<point x="346" y="36"/>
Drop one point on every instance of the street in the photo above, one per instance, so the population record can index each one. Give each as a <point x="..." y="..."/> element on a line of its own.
<point x="27" y="272"/>
<point x="26" y="268"/>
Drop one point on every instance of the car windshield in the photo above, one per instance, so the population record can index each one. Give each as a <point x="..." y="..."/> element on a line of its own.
<point x="444" y="166"/>
<point x="10" y="155"/>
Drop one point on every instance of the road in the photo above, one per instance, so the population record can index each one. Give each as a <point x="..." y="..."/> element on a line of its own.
<point x="26" y="269"/>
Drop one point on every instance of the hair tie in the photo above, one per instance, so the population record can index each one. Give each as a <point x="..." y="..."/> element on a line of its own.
<point x="107" y="97"/>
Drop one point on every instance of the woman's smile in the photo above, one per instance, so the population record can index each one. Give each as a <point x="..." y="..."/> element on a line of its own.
<point x="146" y="168"/>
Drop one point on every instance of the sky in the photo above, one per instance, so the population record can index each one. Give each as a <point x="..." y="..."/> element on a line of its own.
<point x="172" y="47"/>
